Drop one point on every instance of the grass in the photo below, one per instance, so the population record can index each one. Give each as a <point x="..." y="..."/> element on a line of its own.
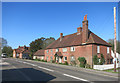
<point x="112" y="70"/>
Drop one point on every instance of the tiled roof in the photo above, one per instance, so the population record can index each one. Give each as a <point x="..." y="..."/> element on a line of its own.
<point x="74" y="39"/>
<point x="39" y="53"/>
<point x="22" y="50"/>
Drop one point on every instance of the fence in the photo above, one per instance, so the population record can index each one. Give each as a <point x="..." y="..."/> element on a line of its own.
<point x="105" y="67"/>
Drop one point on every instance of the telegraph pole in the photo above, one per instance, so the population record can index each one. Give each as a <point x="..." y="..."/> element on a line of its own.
<point x="115" y="39"/>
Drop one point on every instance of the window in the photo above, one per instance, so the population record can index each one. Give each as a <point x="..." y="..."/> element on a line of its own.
<point x="47" y="57"/>
<point x="57" y="50"/>
<point x="47" y="51"/>
<point x="98" y="49"/>
<point x="65" y="58"/>
<point x="64" y="49"/>
<point x="51" y="50"/>
<point x="72" y="48"/>
<point x="72" y="58"/>
<point x="107" y="49"/>
<point x="51" y="58"/>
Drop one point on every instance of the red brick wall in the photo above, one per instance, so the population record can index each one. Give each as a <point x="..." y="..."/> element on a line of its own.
<point x="14" y="54"/>
<point x="80" y="51"/>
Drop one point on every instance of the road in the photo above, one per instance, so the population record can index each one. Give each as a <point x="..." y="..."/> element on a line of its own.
<point x="27" y="70"/>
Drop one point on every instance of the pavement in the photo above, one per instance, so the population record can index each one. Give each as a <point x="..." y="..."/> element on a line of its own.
<point x="16" y="70"/>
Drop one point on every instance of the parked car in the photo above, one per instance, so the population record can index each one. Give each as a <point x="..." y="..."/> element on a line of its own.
<point x="4" y="55"/>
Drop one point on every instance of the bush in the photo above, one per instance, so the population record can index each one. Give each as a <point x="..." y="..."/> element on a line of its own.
<point x="73" y="63"/>
<point x="66" y="63"/>
<point x="82" y="61"/>
<point x="53" y="61"/>
<point x="87" y="66"/>
<point x="95" y="60"/>
<point x="102" y="60"/>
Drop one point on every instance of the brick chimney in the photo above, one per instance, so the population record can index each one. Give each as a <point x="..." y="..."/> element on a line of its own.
<point x="61" y="36"/>
<point x="85" y="30"/>
<point x="79" y="30"/>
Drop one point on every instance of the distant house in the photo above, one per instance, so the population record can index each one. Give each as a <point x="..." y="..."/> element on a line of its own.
<point x="21" y="52"/>
<point x="83" y="43"/>
<point x="39" y="54"/>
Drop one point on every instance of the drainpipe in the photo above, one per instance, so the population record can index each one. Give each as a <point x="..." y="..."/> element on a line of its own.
<point x="92" y="55"/>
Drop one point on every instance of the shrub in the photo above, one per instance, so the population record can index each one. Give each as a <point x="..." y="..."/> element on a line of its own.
<point x="73" y="63"/>
<point x="45" y="60"/>
<point x="53" y="61"/>
<point x="95" y="60"/>
<point x="82" y="61"/>
<point x="102" y="60"/>
<point x="66" y="63"/>
<point x="87" y="66"/>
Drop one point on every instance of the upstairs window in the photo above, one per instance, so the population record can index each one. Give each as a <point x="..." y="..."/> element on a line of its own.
<point x="98" y="49"/>
<point x="64" y="49"/>
<point x="51" y="50"/>
<point x="57" y="50"/>
<point x="108" y="50"/>
<point x="47" y="51"/>
<point x="72" y="48"/>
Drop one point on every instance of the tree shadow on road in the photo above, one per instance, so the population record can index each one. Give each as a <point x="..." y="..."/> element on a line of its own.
<point x="25" y="75"/>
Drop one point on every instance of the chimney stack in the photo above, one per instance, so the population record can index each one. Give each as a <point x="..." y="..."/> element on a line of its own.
<point x="85" y="29"/>
<point x="79" y="30"/>
<point x="61" y="36"/>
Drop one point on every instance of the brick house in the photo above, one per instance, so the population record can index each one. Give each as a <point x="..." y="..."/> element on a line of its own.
<point x="21" y="52"/>
<point x="83" y="43"/>
<point x="39" y="54"/>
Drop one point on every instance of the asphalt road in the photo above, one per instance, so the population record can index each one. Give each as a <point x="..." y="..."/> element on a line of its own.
<point x="27" y="70"/>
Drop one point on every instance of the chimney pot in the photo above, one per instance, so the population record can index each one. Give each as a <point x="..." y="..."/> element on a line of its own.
<point x="85" y="17"/>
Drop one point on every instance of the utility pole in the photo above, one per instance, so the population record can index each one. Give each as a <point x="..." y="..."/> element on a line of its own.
<point x="115" y="39"/>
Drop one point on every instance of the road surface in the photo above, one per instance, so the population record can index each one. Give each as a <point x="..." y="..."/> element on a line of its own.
<point x="28" y="70"/>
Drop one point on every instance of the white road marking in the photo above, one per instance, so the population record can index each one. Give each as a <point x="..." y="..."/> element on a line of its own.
<point x="46" y="69"/>
<point x="38" y="66"/>
<point x="76" y="77"/>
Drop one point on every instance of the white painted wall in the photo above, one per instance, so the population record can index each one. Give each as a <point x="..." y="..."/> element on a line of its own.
<point x="105" y="67"/>
<point x="117" y="56"/>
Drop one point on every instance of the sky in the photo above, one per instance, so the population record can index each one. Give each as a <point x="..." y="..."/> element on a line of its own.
<point x="23" y="22"/>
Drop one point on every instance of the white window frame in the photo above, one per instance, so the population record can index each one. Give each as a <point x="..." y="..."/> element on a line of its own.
<point x="51" y="50"/>
<point x="47" y="51"/>
<point x="47" y="57"/>
<point x="72" y="48"/>
<point x="98" y="49"/>
<point x="65" y="59"/>
<point x="51" y="58"/>
<point x="57" y="50"/>
<point x="64" y="49"/>
<point x="108" y="50"/>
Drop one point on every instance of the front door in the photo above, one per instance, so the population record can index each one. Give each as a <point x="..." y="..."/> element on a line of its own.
<point x="60" y="60"/>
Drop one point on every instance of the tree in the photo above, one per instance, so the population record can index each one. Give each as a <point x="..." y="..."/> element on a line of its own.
<point x="95" y="60"/>
<point x="111" y="41"/>
<point x="3" y="42"/>
<point x="40" y="43"/>
<point x="8" y="50"/>
<point x="82" y="61"/>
